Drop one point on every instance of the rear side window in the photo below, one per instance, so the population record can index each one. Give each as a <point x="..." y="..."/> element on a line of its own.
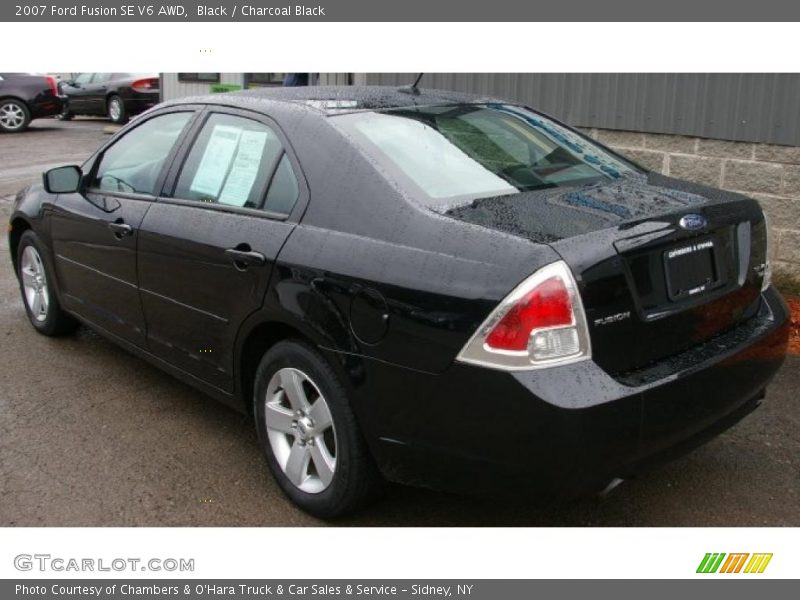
<point x="283" y="190"/>
<point x="134" y="162"/>
<point x="232" y="162"/>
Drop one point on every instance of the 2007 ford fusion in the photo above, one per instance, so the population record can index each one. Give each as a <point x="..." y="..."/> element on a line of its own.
<point x="415" y="286"/>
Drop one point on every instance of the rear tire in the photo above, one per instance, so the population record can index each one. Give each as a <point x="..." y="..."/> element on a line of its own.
<point x="14" y="116"/>
<point x="309" y="434"/>
<point x="36" y="284"/>
<point x="115" y="108"/>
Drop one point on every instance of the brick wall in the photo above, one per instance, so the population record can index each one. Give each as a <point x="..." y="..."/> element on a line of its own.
<point x="768" y="173"/>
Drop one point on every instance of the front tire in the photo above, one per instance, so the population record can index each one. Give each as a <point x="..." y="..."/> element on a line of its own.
<point x="309" y="434"/>
<point x="66" y="114"/>
<point x="14" y="116"/>
<point x="36" y="285"/>
<point x="115" y="108"/>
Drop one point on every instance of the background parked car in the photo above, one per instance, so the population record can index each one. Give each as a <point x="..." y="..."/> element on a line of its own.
<point x="24" y="97"/>
<point x="117" y="96"/>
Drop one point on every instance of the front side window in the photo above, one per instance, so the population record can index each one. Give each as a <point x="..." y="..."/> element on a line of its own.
<point x="457" y="153"/>
<point x="134" y="162"/>
<point x="232" y="163"/>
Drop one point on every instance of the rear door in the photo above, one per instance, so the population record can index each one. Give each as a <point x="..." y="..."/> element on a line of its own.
<point x="95" y="231"/>
<point x="95" y="96"/>
<point x="208" y="246"/>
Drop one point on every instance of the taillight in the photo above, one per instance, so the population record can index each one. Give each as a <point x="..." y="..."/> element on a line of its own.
<point x="145" y="85"/>
<point x="51" y="83"/>
<point x="540" y="324"/>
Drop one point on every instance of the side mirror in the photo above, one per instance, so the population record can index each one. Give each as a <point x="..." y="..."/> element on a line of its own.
<point x="62" y="180"/>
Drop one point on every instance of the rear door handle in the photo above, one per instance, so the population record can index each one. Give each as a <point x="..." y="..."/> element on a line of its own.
<point x="120" y="229"/>
<point x="248" y="257"/>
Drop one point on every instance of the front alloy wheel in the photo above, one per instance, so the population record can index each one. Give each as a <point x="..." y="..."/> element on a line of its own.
<point x="34" y="284"/>
<point x="66" y="114"/>
<point x="300" y="430"/>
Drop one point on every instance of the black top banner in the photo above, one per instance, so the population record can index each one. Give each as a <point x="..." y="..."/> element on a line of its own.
<point x="401" y="10"/>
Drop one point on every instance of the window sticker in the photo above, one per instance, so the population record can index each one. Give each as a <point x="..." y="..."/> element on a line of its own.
<point x="216" y="160"/>
<point x="245" y="168"/>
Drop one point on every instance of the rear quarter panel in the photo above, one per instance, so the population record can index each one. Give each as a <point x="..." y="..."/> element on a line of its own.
<point x="382" y="277"/>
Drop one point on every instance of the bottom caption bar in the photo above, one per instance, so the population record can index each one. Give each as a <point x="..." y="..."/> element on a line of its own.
<point x="484" y="589"/>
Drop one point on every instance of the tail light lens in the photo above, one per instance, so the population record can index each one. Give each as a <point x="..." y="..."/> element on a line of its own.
<point x="540" y="324"/>
<point x="145" y="85"/>
<point x="51" y="83"/>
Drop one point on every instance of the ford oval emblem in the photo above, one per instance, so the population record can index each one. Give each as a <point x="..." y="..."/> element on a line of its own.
<point x="693" y="222"/>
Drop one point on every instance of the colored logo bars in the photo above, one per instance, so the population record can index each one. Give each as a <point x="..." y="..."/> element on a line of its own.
<point x="713" y="563"/>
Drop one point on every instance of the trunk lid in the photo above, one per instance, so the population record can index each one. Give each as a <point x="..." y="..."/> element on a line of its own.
<point x="662" y="265"/>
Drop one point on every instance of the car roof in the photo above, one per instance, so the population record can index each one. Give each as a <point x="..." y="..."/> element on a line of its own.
<point x="330" y="100"/>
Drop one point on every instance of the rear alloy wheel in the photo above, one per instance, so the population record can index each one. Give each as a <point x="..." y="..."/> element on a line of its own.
<point x="300" y="430"/>
<point x="116" y="110"/>
<point x="309" y="434"/>
<point x="14" y="116"/>
<point x="41" y="304"/>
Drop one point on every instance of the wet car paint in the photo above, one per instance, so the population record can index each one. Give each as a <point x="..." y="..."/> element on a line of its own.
<point x="430" y="279"/>
<point x="34" y="91"/>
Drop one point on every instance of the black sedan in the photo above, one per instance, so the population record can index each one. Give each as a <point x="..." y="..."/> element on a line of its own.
<point x="27" y="96"/>
<point x="117" y="96"/>
<point x="415" y="286"/>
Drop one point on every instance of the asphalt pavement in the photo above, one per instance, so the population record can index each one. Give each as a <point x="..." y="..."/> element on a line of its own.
<point x="91" y="436"/>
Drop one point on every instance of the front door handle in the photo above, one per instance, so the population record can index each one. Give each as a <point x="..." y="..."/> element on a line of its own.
<point x="246" y="257"/>
<point x="120" y="229"/>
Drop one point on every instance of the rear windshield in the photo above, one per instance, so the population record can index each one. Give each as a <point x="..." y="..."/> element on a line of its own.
<point x="450" y="155"/>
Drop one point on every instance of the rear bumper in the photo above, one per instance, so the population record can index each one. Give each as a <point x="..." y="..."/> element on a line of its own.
<point x="567" y="430"/>
<point x="137" y="102"/>
<point x="50" y="106"/>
